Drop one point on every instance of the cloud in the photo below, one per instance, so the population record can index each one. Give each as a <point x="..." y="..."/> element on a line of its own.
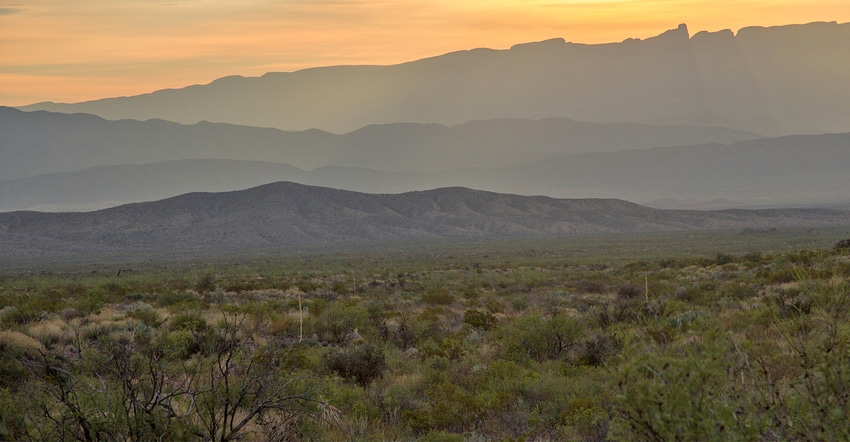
<point x="9" y="11"/>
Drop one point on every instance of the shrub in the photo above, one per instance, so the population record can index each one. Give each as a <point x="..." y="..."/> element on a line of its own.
<point x="145" y="314"/>
<point x="205" y="284"/>
<point x="438" y="297"/>
<point x="723" y="258"/>
<point x="596" y="350"/>
<point x="191" y="321"/>
<point x="588" y="286"/>
<point x="339" y="320"/>
<point x="11" y="315"/>
<point x="480" y="319"/>
<point x="361" y="363"/>
<point x="540" y="339"/>
<point x="92" y="302"/>
<point x="629" y="291"/>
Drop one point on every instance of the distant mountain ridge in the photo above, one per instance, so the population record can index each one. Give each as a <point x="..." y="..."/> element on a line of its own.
<point x="805" y="170"/>
<point x="776" y="80"/>
<point x="34" y="143"/>
<point x="281" y="215"/>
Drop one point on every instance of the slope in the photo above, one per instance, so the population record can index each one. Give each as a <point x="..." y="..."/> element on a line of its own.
<point x="283" y="215"/>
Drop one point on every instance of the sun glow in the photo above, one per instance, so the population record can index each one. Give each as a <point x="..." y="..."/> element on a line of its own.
<point x="71" y="51"/>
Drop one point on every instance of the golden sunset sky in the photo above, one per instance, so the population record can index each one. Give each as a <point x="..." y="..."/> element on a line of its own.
<point x="75" y="50"/>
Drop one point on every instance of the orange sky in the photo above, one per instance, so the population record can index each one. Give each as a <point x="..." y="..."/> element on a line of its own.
<point x="75" y="50"/>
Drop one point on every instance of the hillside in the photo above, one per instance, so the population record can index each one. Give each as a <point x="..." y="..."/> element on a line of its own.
<point x="777" y="81"/>
<point x="281" y="215"/>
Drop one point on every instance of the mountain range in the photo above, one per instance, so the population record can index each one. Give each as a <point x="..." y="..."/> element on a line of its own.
<point x="283" y="215"/>
<point x="785" y="171"/>
<point x="776" y="81"/>
<point x="760" y="118"/>
<point x="33" y="143"/>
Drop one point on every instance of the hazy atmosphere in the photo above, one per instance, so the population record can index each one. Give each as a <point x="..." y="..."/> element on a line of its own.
<point x="68" y="51"/>
<point x="459" y="221"/>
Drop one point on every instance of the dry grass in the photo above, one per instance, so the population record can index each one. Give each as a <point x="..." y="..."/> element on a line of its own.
<point x="54" y="329"/>
<point x="20" y="341"/>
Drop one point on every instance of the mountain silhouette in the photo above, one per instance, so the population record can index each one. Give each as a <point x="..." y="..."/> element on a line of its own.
<point x="776" y="80"/>
<point x="34" y="143"/>
<point x="796" y="170"/>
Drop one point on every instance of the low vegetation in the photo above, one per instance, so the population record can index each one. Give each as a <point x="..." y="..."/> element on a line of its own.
<point x="518" y="345"/>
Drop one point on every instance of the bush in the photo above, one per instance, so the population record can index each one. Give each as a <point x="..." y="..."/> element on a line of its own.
<point x="339" y="320"/>
<point x="480" y="319"/>
<point x="596" y="350"/>
<point x="170" y="298"/>
<point x="587" y="286"/>
<point x="361" y="363"/>
<point x="629" y="291"/>
<point x="191" y="321"/>
<point x="92" y="302"/>
<point x="723" y="258"/>
<point x="540" y="339"/>
<point x="145" y="314"/>
<point x="205" y="284"/>
<point x="438" y="297"/>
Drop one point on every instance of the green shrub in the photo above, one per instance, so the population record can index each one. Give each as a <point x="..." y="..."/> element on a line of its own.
<point x="181" y="298"/>
<point x="92" y="301"/>
<point x="205" y="283"/>
<point x="438" y="296"/>
<point x="480" y="319"/>
<point x="339" y="320"/>
<point x="596" y="350"/>
<point x="145" y="314"/>
<point x="191" y="321"/>
<point x="691" y="397"/>
<point x="361" y="363"/>
<point x="540" y="339"/>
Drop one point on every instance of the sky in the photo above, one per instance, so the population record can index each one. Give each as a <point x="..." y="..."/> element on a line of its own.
<point x="77" y="50"/>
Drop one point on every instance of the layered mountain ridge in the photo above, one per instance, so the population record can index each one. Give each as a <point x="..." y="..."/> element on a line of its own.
<point x="575" y="160"/>
<point x="34" y="143"/>
<point x="776" y="80"/>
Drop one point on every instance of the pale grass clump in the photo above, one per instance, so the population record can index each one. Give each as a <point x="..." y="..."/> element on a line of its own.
<point x="787" y="286"/>
<point x="215" y="317"/>
<point x="54" y="329"/>
<point x="107" y="317"/>
<point x="114" y="324"/>
<point x="95" y="325"/>
<point x="18" y="340"/>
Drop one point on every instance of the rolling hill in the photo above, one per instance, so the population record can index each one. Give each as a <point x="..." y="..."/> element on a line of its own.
<point x="284" y="215"/>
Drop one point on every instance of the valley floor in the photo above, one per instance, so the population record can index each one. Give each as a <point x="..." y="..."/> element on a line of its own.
<point x="738" y="335"/>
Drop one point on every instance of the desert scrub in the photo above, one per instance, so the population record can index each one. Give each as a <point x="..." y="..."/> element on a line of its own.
<point x="530" y="345"/>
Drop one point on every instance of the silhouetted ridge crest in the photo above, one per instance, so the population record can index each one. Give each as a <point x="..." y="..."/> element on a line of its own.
<point x="654" y="80"/>
<point x="282" y="215"/>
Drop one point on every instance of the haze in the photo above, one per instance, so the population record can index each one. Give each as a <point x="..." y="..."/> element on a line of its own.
<point x="52" y="50"/>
